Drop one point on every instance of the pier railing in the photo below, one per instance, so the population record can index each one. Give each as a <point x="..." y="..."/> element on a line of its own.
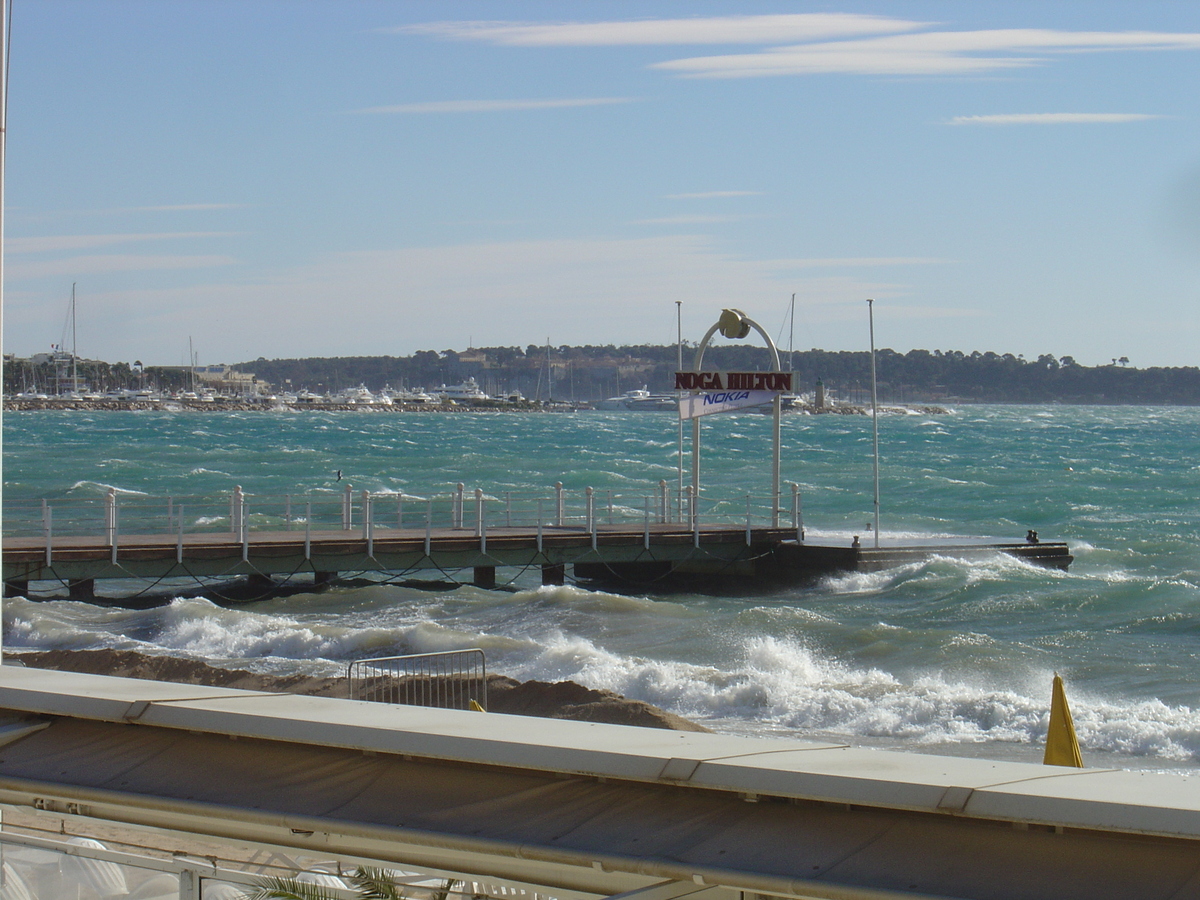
<point x="476" y="510"/>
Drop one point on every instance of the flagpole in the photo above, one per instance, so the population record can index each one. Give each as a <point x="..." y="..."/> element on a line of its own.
<point x="874" y="416"/>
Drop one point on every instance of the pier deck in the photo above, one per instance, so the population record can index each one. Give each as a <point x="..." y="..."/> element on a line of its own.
<point x="662" y="554"/>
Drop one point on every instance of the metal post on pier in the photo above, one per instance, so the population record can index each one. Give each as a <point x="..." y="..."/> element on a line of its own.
<point x="457" y="512"/>
<point x="245" y="523"/>
<point x="558" y="505"/>
<point x="646" y="526"/>
<point x="662" y="502"/>
<point x="110" y="516"/>
<point x="347" y="509"/>
<point x="308" y="530"/>
<point x="481" y="520"/>
<point x="428" y="526"/>
<point x="797" y="517"/>
<point x="591" y="514"/>
<point x="235" y="511"/>
<point x="179" y="538"/>
<point x="369" y="523"/>
<point x="539" y="525"/>
<point x="46" y="529"/>
<point x="747" y="520"/>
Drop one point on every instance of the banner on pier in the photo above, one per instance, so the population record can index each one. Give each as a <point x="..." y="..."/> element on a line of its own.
<point x="722" y="401"/>
<point x="734" y="381"/>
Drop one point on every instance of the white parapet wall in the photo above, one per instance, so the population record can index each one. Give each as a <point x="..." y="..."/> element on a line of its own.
<point x="583" y="808"/>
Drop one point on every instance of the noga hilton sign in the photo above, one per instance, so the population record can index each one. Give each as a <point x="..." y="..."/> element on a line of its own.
<point x="733" y="381"/>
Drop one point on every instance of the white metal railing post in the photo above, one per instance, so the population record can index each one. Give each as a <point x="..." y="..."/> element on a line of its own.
<point x="110" y="516"/>
<point x="428" y="525"/>
<point x="797" y="518"/>
<point x="646" y="526"/>
<point x="662" y="501"/>
<point x="591" y="514"/>
<point x="347" y="509"/>
<point x="747" y="520"/>
<point x="480" y="523"/>
<point x="694" y="515"/>
<point x="47" y="527"/>
<point x="369" y="523"/>
<point x="308" y="529"/>
<point x="179" y="538"/>
<point x="235" y="511"/>
<point x="539" y="525"/>
<point x="245" y="520"/>
<point x="558" y="504"/>
<point x="456" y="514"/>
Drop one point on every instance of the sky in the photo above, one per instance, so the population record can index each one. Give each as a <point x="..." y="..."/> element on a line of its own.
<point x="336" y="178"/>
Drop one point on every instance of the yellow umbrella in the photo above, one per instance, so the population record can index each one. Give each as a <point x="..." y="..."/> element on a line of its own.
<point x="1062" y="747"/>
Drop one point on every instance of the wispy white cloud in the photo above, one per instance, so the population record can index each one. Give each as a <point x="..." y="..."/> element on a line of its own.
<point x="697" y="219"/>
<point x="58" y="242"/>
<point x="184" y="207"/>
<point x="1053" y="119"/>
<point x="475" y="106"/>
<point x="97" y="265"/>
<point x="770" y="29"/>
<point x="713" y="195"/>
<point x="925" y="53"/>
<point x="805" y="44"/>
<point x="853" y="262"/>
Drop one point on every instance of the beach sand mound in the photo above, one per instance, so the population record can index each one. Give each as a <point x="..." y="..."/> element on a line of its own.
<point x="554" y="700"/>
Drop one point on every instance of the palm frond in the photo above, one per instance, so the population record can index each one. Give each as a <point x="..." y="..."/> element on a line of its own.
<point x="376" y="884"/>
<point x="444" y="891"/>
<point x="274" y="887"/>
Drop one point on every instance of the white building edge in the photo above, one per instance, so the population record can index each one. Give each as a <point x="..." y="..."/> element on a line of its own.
<point x="572" y="810"/>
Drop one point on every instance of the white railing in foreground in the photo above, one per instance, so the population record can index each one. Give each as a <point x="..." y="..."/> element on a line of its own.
<point x="37" y="868"/>
<point x="451" y="680"/>
<point x="240" y="514"/>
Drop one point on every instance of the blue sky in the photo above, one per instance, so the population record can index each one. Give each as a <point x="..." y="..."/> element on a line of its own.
<point x="359" y="178"/>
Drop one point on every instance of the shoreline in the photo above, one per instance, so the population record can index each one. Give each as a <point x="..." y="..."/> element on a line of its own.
<point x="12" y="405"/>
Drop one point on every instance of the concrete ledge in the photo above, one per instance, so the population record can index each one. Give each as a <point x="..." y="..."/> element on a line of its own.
<point x="1093" y="799"/>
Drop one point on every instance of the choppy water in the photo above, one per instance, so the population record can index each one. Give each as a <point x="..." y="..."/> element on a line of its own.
<point x="945" y="655"/>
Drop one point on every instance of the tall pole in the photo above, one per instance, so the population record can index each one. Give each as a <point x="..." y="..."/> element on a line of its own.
<point x="5" y="13"/>
<point x="874" y="416"/>
<point x="74" y="346"/>
<point x="678" y="395"/>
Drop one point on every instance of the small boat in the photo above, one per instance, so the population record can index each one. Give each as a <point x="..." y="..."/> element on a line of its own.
<point x="467" y="392"/>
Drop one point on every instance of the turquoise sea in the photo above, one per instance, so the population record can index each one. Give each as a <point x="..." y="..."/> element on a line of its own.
<point x="943" y="656"/>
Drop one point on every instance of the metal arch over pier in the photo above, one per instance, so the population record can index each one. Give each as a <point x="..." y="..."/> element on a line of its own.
<point x="641" y="541"/>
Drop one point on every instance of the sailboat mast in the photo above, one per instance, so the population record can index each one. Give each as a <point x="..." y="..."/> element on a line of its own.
<point x="74" y="346"/>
